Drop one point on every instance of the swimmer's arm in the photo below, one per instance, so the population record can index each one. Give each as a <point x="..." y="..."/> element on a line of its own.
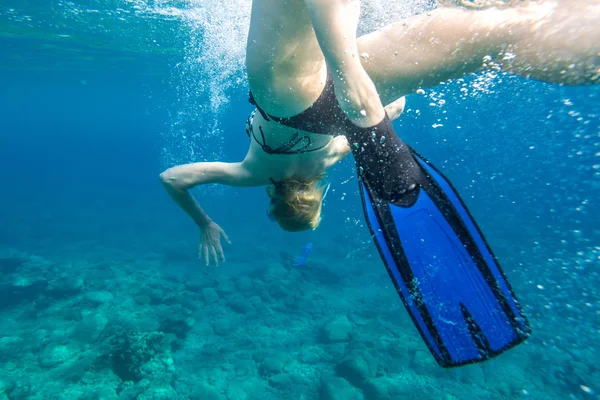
<point x="178" y="180"/>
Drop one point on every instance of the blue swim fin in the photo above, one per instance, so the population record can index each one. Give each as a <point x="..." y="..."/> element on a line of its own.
<point x="442" y="267"/>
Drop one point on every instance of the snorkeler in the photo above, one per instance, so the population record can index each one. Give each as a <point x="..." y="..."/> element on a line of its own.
<point x="288" y="74"/>
<point x="319" y="94"/>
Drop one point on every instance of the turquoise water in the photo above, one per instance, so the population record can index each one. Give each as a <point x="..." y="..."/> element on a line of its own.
<point x="102" y="297"/>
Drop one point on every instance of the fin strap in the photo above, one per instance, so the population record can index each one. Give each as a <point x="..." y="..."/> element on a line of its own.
<point x="383" y="160"/>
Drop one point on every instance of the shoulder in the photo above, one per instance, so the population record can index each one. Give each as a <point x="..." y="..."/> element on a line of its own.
<point x="242" y="174"/>
<point x="254" y="169"/>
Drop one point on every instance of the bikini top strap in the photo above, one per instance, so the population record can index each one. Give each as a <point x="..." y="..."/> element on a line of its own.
<point x="262" y="112"/>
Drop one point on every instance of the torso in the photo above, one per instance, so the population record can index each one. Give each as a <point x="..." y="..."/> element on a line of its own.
<point x="287" y="73"/>
<point x="264" y="166"/>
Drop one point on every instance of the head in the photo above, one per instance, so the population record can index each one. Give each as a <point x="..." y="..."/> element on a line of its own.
<point x="296" y="205"/>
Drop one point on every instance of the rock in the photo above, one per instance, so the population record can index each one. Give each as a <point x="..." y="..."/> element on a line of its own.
<point x="280" y="291"/>
<point x="244" y="284"/>
<point x="156" y="295"/>
<point x="271" y="365"/>
<point x="423" y="363"/>
<point x="240" y="304"/>
<point x="130" y="391"/>
<point x="356" y="367"/>
<point x="281" y="380"/>
<point x="176" y="323"/>
<point x="142" y="299"/>
<point x="310" y="355"/>
<point x="337" y="330"/>
<point x="244" y="367"/>
<point x="226" y="289"/>
<point x="335" y="388"/>
<point x="5" y="387"/>
<point x="54" y="354"/>
<point x="210" y="295"/>
<point x="99" y="297"/>
<point x="381" y="389"/>
<point x="387" y="388"/>
<point x="22" y="390"/>
<point x="158" y="393"/>
<point x="9" y="264"/>
<point x="470" y="374"/>
<point x="65" y="286"/>
<point x="273" y="272"/>
<point x="235" y="392"/>
<point x="204" y="392"/>
<point x="74" y="283"/>
<point x="21" y="289"/>
<point x="204" y="329"/>
<point x="96" y="392"/>
<point x="74" y="371"/>
<point x="156" y="371"/>
<point x="89" y="329"/>
<point x="195" y="283"/>
<point x="11" y="347"/>
<point x="321" y="273"/>
<point x="223" y="327"/>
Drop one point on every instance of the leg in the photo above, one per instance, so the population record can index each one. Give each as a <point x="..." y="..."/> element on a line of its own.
<point x="335" y="24"/>
<point x="284" y="61"/>
<point x="395" y="108"/>
<point x="558" y="43"/>
<point x="382" y="159"/>
<point x="542" y="41"/>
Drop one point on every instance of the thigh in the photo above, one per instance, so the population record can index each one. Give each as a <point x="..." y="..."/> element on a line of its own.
<point x="424" y="50"/>
<point x="284" y="62"/>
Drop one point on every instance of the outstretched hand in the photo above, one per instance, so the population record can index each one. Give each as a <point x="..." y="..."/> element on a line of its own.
<point x="210" y="243"/>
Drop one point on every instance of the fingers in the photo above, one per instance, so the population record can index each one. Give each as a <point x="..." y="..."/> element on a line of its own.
<point x="214" y="255"/>
<point x="205" y="251"/>
<point x="220" y="251"/>
<point x="211" y="252"/>
<point x="224" y="237"/>
<point x="210" y="247"/>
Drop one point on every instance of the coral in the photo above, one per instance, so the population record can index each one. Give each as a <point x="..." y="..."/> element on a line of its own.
<point x="54" y="354"/>
<point x="131" y="350"/>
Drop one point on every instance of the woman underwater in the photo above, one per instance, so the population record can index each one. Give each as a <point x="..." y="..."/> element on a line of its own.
<point x="307" y="71"/>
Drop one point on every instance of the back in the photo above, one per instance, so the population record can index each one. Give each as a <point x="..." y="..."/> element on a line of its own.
<point x="303" y="166"/>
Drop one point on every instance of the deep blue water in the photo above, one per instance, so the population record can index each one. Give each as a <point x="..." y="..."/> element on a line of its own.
<point x="80" y="153"/>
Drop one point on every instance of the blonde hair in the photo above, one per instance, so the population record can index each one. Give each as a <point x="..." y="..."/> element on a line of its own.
<point x="296" y="204"/>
